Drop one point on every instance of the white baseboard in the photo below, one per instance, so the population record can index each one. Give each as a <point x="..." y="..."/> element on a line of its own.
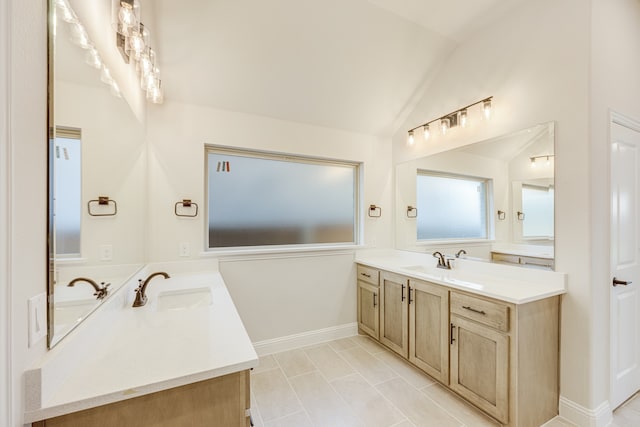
<point x="304" y="339"/>
<point x="583" y="417"/>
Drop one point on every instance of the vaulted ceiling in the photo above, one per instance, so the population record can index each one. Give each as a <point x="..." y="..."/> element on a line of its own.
<point x="349" y="64"/>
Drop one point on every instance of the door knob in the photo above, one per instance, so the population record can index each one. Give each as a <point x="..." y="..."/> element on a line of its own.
<point x="617" y="282"/>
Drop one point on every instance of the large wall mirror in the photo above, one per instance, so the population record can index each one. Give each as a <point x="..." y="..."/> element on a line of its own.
<point x="96" y="181"/>
<point x="494" y="199"/>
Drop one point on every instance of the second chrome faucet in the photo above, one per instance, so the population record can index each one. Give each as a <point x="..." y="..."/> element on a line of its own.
<point x="141" y="297"/>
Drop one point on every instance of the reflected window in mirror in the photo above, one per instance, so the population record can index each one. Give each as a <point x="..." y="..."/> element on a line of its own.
<point x="452" y="207"/>
<point x="67" y="178"/>
<point x="537" y="206"/>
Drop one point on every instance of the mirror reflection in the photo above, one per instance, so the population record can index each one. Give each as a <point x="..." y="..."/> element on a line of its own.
<point x="97" y="159"/>
<point x="494" y="199"/>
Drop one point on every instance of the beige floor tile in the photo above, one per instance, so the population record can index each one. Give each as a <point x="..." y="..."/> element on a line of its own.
<point x="265" y="363"/>
<point x="462" y="411"/>
<point x="404" y="369"/>
<point x="274" y="396"/>
<point x="371" y="368"/>
<point x="417" y="407"/>
<point x="294" y="362"/>
<point x="404" y="423"/>
<point x="368" y="344"/>
<point x="343" y="344"/>
<point x="299" y="419"/>
<point x="368" y="404"/>
<point x="328" y="362"/>
<point x="559" y="422"/>
<point x="323" y="405"/>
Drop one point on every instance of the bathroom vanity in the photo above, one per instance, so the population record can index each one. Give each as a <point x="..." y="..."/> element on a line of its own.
<point x="182" y="359"/>
<point x="488" y="332"/>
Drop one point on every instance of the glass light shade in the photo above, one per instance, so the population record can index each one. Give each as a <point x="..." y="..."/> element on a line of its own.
<point x="137" y="42"/>
<point x="125" y="16"/>
<point x="486" y="106"/>
<point x="155" y="94"/>
<point x="444" y="125"/>
<point x="533" y="162"/>
<point x="147" y="62"/>
<point x="410" y="139"/>
<point x="66" y="13"/>
<point x="149" y="80"/>
<point x="426" y="132"/>
<point x="463" y="118"/>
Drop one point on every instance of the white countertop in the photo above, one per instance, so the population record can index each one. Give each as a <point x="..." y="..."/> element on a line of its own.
<point x="143" y="350"/>
<point x="512" y="284"/>
<point x="537" y="251"/>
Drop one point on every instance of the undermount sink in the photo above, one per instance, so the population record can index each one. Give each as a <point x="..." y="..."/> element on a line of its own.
<point x="421" y="269"/>
<point x="184" y="299"/>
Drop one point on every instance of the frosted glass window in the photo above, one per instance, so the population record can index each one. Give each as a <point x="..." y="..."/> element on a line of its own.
<point x="451" y="207"/>
<point x="260" y="200"/>
<point x="67" y="180"/>
<point x="537" y="205"/>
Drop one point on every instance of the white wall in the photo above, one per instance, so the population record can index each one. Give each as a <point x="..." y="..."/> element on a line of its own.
<point x="615" y="85"/>
<point x="536" y="64"/>
<point x="264" y="292"/>
<point x="28" y="191"/>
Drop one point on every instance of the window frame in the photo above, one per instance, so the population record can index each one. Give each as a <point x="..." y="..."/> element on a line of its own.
<point x="357" y="167"/>
<point x="489" y="203"/>
<point x="537" y="188"/>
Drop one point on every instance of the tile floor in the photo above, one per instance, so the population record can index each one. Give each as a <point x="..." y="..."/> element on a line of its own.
<point x="357" y="382"/>
<point x="352" y="382"/>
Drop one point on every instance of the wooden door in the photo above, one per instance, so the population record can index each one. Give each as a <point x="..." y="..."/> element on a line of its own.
<point x="429" y="329"/>
<point x="480" y="366"/>
<point x="394" y="313"/>
<point x="368" y="309"/>
<point x="625" y="265"/>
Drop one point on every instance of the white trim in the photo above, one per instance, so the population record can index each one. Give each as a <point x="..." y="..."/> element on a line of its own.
<point x="583" y="417"/>
<point x="625" y="121"/>
<point x="304" y="339"/>
<point x="6" y="402"/>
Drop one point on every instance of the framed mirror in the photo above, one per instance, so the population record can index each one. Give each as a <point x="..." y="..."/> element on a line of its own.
<point x="97" y="173"/>
<point x="494" y="199"/>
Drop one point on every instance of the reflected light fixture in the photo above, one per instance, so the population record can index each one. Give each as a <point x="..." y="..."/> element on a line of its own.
<point x="453" y="119"/>
<point x="132" y="40"/>
<point x="547" y="157"/>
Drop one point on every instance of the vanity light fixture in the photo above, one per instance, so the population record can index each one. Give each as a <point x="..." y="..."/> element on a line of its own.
<point x="132" y="40"/>
<point x="548" y="157"/>
<point x="80" y="37"/>
<point x="453" y="119"/>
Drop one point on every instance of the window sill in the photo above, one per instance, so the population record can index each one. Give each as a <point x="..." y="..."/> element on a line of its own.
<point x="281" y="252"/>
<point x="455" y="242"/>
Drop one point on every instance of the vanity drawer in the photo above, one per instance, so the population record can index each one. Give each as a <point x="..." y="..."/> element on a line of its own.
<point x="368" y="274"/>
<point x="490" y="313"/>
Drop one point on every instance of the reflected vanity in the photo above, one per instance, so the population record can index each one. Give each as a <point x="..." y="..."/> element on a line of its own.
<point x="96" y="184"/>
<point x="506" y="214"/>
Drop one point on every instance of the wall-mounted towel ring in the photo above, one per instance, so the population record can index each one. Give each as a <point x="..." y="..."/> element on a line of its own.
<point x="187" y="203"/>
<point x="412" y="212"/>
<point x="374" y="211"/>
<point x="501" y="215"/>
<point x="93" y="206"/>
<point x="520" y="216"/>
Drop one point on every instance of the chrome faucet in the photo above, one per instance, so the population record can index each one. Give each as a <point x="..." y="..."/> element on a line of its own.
<point x="101" y="290"/>
<point x="141" y="297"/>
<point x="460" y="252"/>
<point x="442" y="262"/>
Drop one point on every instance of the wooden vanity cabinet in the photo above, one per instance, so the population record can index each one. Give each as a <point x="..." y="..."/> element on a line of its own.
<point x="368" y="301"/>
<point x="394" y="312"/>
<point x="221" y="401"/>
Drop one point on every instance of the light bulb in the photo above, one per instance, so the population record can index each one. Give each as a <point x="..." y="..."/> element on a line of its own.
<point x="148" y="81"/>
<point x="426" y="132"/>
<point x="463" y="117"/>
<point x="147" y="61"/>
<point x="444" y="125"/>
<point x="155" y="94"/>
<point x="125" y="16"/>
<point x="486" y="106"/>
<point x="533" y="162"/>
<point x="410" y="139"/>
<point x="548" y="161"/>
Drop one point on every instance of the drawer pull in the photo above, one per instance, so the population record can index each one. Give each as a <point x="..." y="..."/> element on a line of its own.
<point x="402" y="295"/>
<point x="410" y="300"/>
<point x="374" y="300"/>
<point x="366" y="275"/>
<point x="466" y="307"/>
<point x="451" y="334"/>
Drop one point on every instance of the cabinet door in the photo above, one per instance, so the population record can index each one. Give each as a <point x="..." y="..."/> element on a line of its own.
<point x="480" y="366"/>
<point x="394" y="313"/>
<point x="429" y="329"/>
<point x="368" y="309"/>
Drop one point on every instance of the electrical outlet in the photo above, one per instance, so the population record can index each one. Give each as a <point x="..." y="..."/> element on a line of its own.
<point x="106" y="252"/>
<point x="37" y="318"/>
<point x="185" y="251"/>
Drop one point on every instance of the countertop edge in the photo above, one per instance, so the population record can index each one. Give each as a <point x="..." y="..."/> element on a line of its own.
<point x="95" y="401"/>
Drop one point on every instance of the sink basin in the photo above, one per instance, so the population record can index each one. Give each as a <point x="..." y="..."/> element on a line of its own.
<point x="184" y="299"/>
<point x="423" y="269"/>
